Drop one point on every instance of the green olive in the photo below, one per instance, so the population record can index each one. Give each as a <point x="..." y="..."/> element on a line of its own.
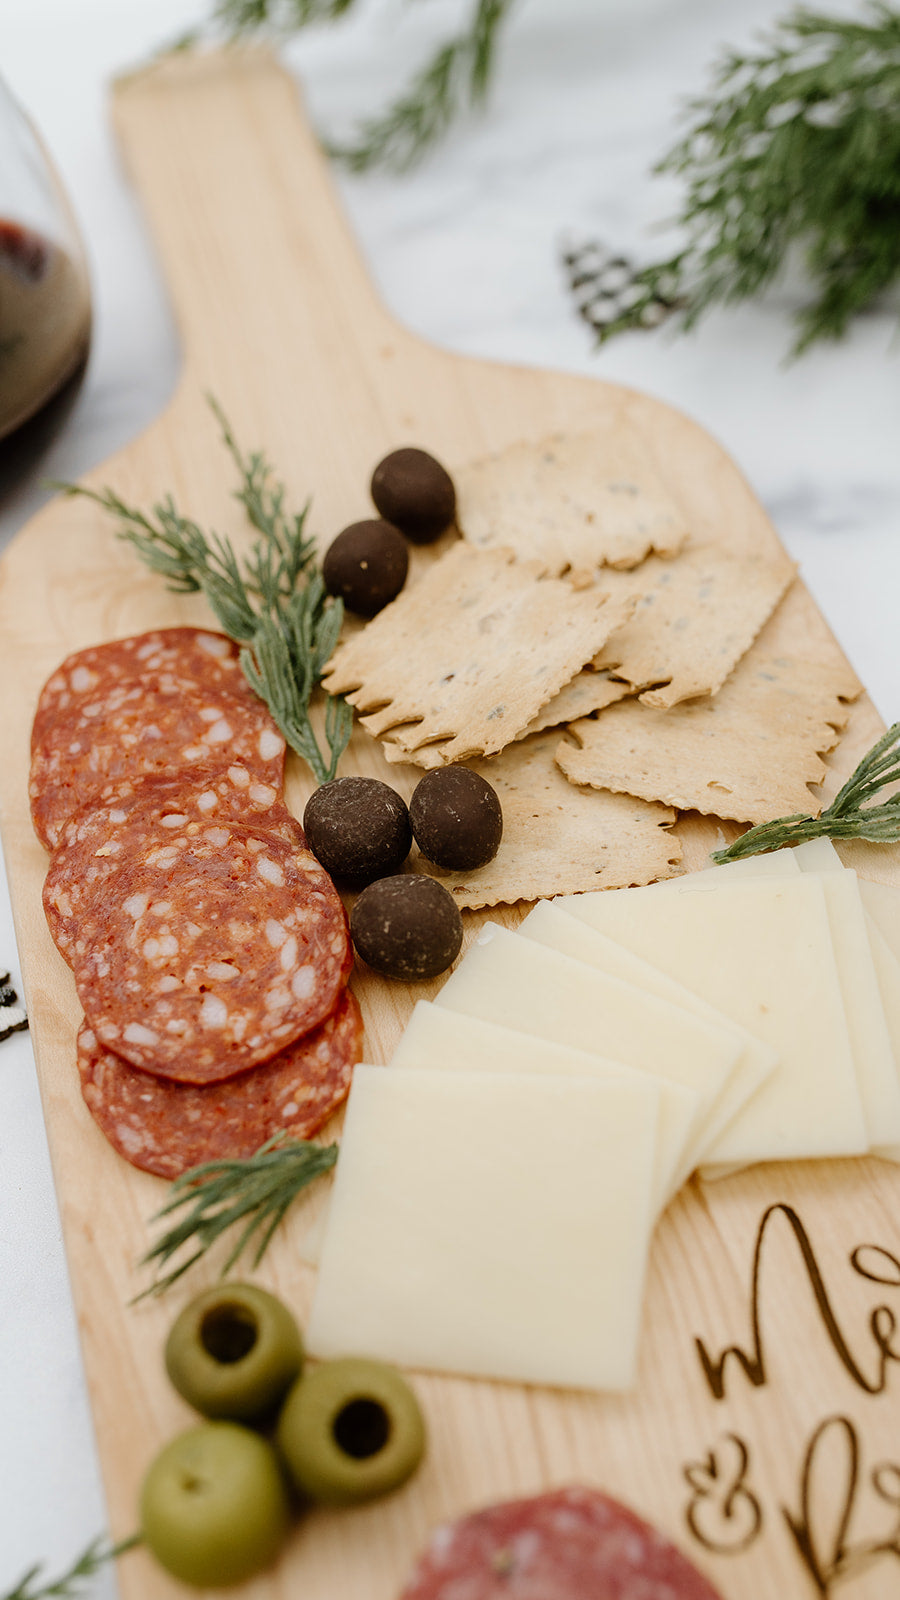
<point x="234" y="1352"/>
<point x="350" y="1430"/>
<point x="214" y="1506"/>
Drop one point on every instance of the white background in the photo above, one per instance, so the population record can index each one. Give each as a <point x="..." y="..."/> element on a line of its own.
<point x="465" y="251"/>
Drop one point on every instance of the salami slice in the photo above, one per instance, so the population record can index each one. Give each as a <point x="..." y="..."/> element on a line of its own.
<point x="167" y="1128"/>
<point x="196" y="657"/>
<point x="122" y="820"/>
<point x="207" y="954"/>
<point x="571" y="1544"/>
<point x="135" y="731"/>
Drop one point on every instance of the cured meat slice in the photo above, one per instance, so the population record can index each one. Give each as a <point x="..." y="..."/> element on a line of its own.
<point x="207" y="954"/>
<point x="122" y="819"/>
<point x="197" y="657"/>
<point x="570" y="1544"/>
<point x="167" y="1128"/>
<point x="128" y="725"/>
<point x="133" y="731"/>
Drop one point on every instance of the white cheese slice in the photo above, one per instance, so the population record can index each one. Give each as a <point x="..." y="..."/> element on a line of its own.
<point x="816" y="855"/>
<point x="887" y="971"/>
<point x="882" y="903"/>
<point x="773" y="864"/>
<point x="876" y="1063"/>
<point x="873" y="1049"/>
<point x="547" y="924"/>
<point x="490" y="1226"/>
<point x="762" y="953"/>
<point x="513" y="981"/>
<point x="450" y="1041"/>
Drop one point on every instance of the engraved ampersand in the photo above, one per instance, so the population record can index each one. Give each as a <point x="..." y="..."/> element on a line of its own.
<point x="723" y="1514"/>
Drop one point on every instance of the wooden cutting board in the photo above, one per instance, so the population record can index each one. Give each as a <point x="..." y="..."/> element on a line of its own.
<point x="280" y="323"/>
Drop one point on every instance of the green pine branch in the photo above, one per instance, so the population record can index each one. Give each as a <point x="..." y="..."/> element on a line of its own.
<point x="797" y="146"/>
<point x="274" y="604"/>
<point x="867" y="807"/>
<point x="456" y="77"/>
<point x="71" y="1582"/>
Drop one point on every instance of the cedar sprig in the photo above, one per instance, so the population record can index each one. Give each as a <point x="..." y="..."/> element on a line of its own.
<point x="796" y="145"/>
<point x="854" y="813"/>
<point x="98" y="1554"/>
<point x="219" y="1195"/>
<point x="284" y="554"/>
<point x="274" y="604"/>
<point x="457" y="75"/>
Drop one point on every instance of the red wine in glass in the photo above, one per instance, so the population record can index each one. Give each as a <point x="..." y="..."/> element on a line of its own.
<point x="45" y="307"/>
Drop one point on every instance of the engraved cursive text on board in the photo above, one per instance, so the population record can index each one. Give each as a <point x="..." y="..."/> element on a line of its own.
<point x="726" y="1510"/>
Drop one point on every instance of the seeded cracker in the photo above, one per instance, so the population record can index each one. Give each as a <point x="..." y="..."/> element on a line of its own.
<point x="589" y="691"/>
<point x="748" y="753"/>
<point x="561" y="840"/>
<point x="695" y="618"/>
<point x="572" y="501"/>
<point x="459" y="664"/>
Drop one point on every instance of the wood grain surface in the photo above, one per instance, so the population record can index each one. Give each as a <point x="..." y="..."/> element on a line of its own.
<point x="280" y="323"/>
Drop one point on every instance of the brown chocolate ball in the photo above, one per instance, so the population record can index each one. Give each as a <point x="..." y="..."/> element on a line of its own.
<point x="366" y="566"/>
<point x="415" y="493"/>
<point x="358" y="828"/>
<point x="456" y="818"/>
<point x="407" y="926"/>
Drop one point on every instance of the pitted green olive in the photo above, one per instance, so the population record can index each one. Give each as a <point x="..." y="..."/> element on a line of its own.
<point x="234" y="1352"/>
<point x="350" y="1430"/>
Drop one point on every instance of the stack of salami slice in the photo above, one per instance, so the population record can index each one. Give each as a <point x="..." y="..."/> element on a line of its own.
<point x="209" y="947"/>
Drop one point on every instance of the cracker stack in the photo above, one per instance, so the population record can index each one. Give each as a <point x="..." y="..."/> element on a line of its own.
<point x="602" y="665"/>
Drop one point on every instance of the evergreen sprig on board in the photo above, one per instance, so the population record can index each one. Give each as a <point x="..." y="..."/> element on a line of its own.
<point x="99" y="1553"/>
<point x="273" y="603"/>
<point x="456" y="76"/>
<point x="796" y="146"/>
<point x="251" y="1193"/>
<point x="867" y="807"/>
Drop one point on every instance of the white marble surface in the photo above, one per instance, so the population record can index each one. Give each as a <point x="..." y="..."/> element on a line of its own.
<point x="465" y="250"/>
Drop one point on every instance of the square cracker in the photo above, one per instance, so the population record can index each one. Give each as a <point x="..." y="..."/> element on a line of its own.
<point x="749" y="752"/>
<point x="459" y="664"/>
<point x="558" y="839"/>
<point x="573" y="501"/>
<point x="589" y="691"/>
<point x="694" y="618"/>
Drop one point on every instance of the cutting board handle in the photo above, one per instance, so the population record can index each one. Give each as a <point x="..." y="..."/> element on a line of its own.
<point x="255" y="249"/>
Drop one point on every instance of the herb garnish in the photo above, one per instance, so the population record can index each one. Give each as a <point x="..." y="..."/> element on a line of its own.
<point x="797" y="144"/>
<point x="851" y="815"/>
<point x="98" y="1554"/>
<point x="274" y="604"/>
<point x="219" y="1194"/>
<point x="456" y="75"/>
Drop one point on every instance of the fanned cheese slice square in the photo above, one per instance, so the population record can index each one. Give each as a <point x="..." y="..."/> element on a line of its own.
<point x="882" y="903"/>
<point x="870" y="1039"/>
<point x="507" y="979"/>
<point x="548" y="925"/>
<point x="450" y="1041"/>
<point x="558" y="839"/>
<point x="573" y="502"/>
<point x="490" y="1225"/>
<point x="460" y="663"/>
<point x="694" y="618"/>
<point x="762" y="953"/>
<point x="887" y="972"/>
<point x="748" y="753"/>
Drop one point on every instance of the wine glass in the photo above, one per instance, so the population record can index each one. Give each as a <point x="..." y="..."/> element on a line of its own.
<point x="45" y="302"/>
